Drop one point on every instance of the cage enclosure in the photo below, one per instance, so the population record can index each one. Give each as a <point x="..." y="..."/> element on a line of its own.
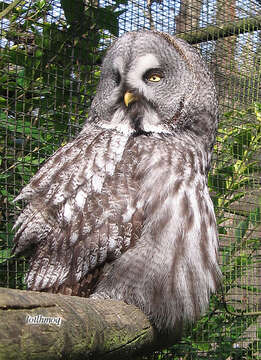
<point x="51" y="53"/>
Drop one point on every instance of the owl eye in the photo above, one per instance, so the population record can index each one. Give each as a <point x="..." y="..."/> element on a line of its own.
<point x="153" y="76"/>
<point x="117" y="77"/>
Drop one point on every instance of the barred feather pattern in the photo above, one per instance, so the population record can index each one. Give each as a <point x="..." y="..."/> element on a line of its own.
<point x="173" y="268"/>
<point x="123" y="211"/>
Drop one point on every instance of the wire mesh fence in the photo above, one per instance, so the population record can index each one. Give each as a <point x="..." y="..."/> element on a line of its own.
<point x="51" y="52"/>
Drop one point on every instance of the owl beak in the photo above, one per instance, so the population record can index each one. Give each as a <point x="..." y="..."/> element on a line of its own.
<point x="129" y="98"/>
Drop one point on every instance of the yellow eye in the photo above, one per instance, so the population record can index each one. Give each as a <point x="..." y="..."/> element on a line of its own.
<point x="155" y="77"/>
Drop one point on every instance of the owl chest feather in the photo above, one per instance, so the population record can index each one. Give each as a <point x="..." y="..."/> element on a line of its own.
<point x="173" y="264"/>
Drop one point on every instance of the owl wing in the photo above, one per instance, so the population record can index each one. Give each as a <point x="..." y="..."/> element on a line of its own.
<point x="81" y="212"/>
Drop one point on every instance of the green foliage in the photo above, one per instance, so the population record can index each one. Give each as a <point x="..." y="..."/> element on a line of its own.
<point x="235" y="161"/>
<point x="49" y="68"/>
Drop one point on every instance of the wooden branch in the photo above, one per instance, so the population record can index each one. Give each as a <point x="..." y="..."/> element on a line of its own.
<point x="221" y="31"/>
<point x="9" y="8"/>
<point x="35" y="325"/>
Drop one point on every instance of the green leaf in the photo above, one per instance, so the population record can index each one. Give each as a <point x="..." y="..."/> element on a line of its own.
<point x="107" y="19"/>
<point x="73" y="10"/>
<point x="250" y="288"/>
<point x="5" y="254"/>
<point x="217" y="182"/>
<point x="255" y="216"/>
<point x="234" y="198"/>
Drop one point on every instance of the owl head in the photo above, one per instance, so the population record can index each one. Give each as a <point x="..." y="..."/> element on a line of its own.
<point x="153" y="83"/>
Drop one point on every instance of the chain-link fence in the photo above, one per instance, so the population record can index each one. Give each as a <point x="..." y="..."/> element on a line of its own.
<point x="51" y="53"/>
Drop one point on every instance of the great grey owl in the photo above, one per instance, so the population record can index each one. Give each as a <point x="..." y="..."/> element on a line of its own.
<point x="123" y="211"/>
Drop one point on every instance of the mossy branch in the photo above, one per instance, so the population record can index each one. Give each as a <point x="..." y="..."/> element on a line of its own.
<point x="81" y="328"/>
<point x="9" y="8"/>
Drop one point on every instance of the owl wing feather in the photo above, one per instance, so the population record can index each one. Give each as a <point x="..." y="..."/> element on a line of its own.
<point x="80" y="212"/>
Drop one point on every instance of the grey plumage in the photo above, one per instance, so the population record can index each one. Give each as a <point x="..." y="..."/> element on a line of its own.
<point x="123" y="211"/>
